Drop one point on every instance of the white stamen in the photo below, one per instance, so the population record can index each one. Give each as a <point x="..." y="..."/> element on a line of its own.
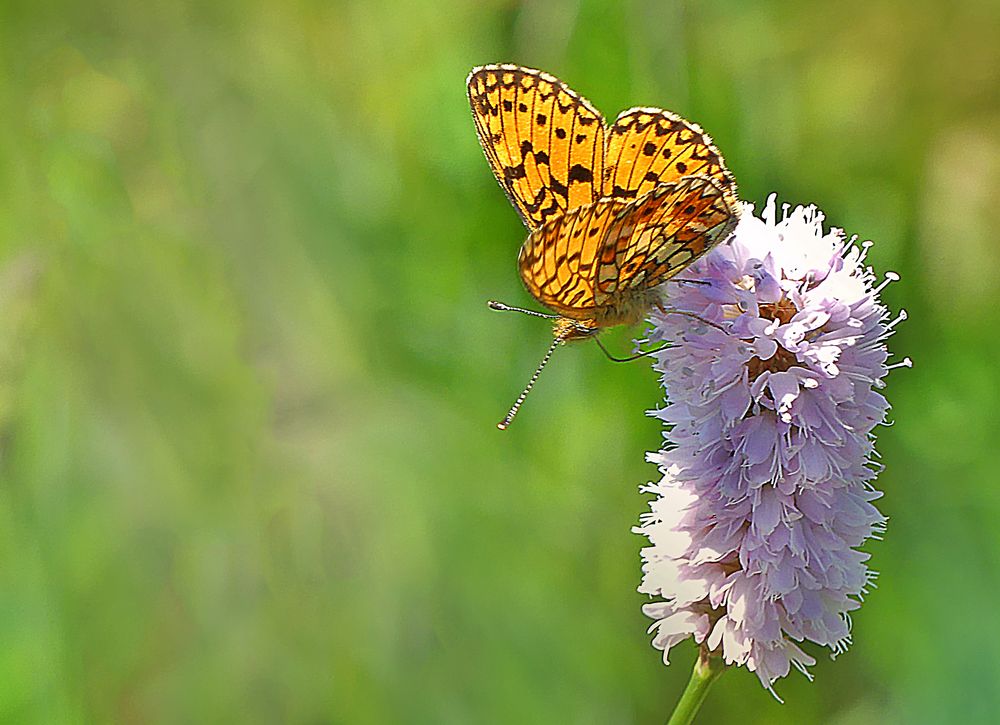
<point x="801" y="668"/>
<point x="899" y="318"/>
<point x="865" y="248"/>
<point x="889" y="277"/>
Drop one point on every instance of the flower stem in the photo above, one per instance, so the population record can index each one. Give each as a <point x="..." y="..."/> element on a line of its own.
<point x="706" y="671"/>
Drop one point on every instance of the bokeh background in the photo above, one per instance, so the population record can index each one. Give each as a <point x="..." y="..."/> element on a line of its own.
<point x="248" y="383"/>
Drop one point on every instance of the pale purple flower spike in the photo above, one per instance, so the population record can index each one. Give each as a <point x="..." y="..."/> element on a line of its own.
<point x="767" y="472"/>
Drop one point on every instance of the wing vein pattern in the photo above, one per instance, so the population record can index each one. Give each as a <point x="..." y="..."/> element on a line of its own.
<point x="612" y="211"/>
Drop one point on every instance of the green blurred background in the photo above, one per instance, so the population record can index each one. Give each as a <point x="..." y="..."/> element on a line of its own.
<point x="248" y="383"/>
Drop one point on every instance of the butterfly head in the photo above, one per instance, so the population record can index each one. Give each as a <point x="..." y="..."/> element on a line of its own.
<point x="565" y="329"/>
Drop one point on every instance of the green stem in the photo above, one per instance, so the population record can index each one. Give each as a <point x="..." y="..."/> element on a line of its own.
<point x="706" y="671"/>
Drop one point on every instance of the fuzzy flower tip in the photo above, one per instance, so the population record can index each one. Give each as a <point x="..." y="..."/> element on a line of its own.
<point x="767" y="492"/>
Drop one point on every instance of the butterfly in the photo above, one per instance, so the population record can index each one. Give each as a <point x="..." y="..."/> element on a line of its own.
<point x="612" y="211"/>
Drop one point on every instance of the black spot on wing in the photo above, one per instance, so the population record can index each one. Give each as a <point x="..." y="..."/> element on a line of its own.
<point x="559" y="188"/>
<point x="621" y="193"/>
<point x="580" y="173"/>
<point x="510" y="173"/>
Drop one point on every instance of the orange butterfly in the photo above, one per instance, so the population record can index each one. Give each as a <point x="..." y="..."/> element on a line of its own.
<point x="613" y="211"/>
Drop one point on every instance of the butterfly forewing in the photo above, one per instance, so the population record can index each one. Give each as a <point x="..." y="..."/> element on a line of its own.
<point x="649" y="146"/>
<point x="544" y="142"/>
<point x="588" y="258"/>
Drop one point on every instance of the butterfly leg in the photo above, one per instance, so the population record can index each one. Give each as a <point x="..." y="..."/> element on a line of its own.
<point x="690" y="281"/>
<point x="630" y="358"/>
<point x="671" y="311"/>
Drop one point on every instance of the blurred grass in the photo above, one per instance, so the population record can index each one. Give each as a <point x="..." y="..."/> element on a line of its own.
<point x="248" y="383"/>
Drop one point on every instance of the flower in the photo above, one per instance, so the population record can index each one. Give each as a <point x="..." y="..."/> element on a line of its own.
<point x="766" y="490"/>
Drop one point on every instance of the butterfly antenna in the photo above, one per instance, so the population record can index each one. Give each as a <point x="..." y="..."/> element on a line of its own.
<point x="508" y="419"/>
<point x="501" y="307"/>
